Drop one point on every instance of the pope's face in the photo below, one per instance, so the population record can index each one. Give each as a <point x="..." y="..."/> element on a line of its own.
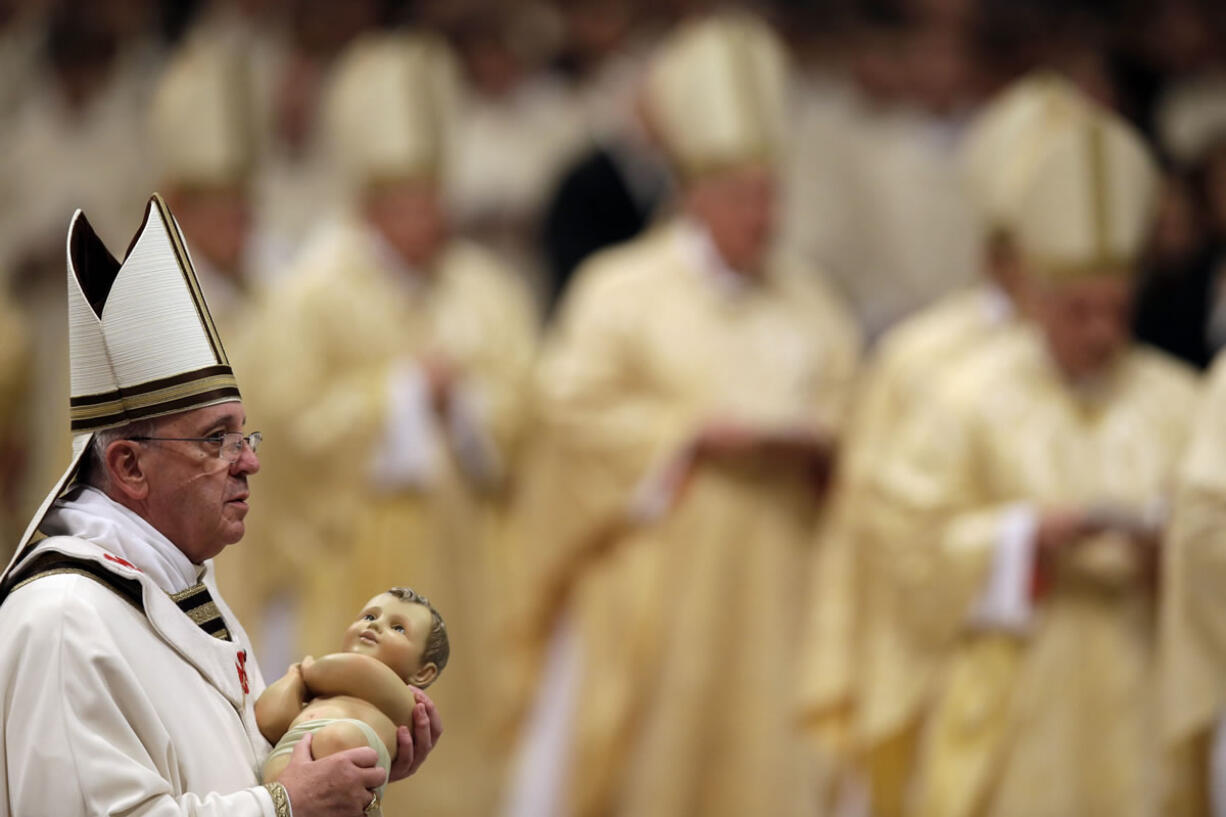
<point x="1086" y="322"/>
<point x="393" y="631"/>
<point x="738" y="209"/>
<point x="197" y="499"/>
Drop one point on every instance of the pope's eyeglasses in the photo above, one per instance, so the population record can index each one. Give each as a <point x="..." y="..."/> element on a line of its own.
<point x="229" y="444"/>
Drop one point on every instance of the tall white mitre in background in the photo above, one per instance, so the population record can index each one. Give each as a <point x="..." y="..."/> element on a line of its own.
<point x="1088" y="206"/>
<point x="201" y="118"/>
<point x="390" y="108"/>
<point x="1008" y="140"/>
<point x="716" y="95"/>
<point x="142" y="343"/>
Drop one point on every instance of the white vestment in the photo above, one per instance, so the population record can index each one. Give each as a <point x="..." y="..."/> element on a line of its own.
<point x="105" y="709"/>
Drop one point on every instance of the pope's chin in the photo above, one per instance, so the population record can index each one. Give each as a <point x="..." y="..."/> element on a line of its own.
<point x="233" y="526"/>
<point x="229" y="532"/>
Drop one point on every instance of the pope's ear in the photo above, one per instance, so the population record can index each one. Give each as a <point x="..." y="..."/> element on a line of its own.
<point x="124" y="472"/>
<point x="425" y="676"/>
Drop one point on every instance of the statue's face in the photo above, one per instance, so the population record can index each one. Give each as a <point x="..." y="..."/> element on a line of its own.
<point x="393" y="631"/>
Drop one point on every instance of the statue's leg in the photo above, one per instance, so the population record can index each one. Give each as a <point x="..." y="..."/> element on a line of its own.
<point x="337" y="737"/>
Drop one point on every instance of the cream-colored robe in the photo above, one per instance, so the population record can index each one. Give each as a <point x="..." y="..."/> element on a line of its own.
<point x="332" y="344"/>
<point x="851" y="692"/>
<point x="1040" y="711"/>
<point x="685" y="621"/>
<point x="1193" y="622"/>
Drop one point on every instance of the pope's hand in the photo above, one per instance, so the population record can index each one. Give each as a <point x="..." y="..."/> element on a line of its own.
<point x="413" y="746"/>
<point x="339" y="784"/>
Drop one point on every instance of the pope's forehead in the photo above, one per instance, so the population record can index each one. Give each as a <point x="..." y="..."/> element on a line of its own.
<point x="229" y="410"/>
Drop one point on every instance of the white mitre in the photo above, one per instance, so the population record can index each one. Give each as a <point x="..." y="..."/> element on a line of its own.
<point x="1009" y="137"/>
<point x="201" y="118"/>
<point x="142" y="343"/>
<point x="716" y="94"/>
<point x="1087" y="207"/>
<point x="390" y="108"/>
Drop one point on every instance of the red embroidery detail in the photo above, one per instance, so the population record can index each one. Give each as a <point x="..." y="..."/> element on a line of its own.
<point x="119" y="561"/>
<point x="1040" y="578"/>
<point x="241" y="666"/>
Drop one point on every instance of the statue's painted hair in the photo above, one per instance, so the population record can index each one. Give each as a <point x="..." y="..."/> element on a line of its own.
<point x="438" y="646"/>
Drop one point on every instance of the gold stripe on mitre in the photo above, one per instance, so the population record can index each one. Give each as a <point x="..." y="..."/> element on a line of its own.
<point x="1100" y="195"/>
<point x="166" y="396"/>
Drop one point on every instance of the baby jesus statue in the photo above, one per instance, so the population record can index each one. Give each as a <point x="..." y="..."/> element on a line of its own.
<point x="358" y="696"/>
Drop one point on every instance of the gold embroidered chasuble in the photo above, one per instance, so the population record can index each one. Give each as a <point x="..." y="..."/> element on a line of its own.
<point x="851" y="647"/>
<point x="1053" y="716"/>
<point x="679" y="614"/>
<point x="1193" y="639"/>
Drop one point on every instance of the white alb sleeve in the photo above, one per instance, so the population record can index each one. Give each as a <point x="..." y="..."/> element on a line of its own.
<point x="1005" y="603"/>
<point x="406" y="454"/>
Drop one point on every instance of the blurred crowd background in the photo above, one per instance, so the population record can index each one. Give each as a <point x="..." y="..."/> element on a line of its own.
<point x="882" y="92"/>
<point x="543" y="158"/>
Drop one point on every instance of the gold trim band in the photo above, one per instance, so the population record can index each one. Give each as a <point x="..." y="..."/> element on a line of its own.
<point x="280" y="799"/>
<point x="166" y="395"/>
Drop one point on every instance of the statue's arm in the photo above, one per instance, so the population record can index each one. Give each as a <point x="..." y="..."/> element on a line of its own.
<point x="361" y="676"/>
<point x="280" y="703"/>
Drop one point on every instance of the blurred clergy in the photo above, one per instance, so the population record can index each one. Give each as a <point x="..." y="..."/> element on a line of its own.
<point x="1193" y="623"/>
<point x="393" y="360"/>
<point x="690" y="398"/>
<point x="856" y="661"/>
<point x="203" y="139"/>
<point x="1024" y="502"/>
